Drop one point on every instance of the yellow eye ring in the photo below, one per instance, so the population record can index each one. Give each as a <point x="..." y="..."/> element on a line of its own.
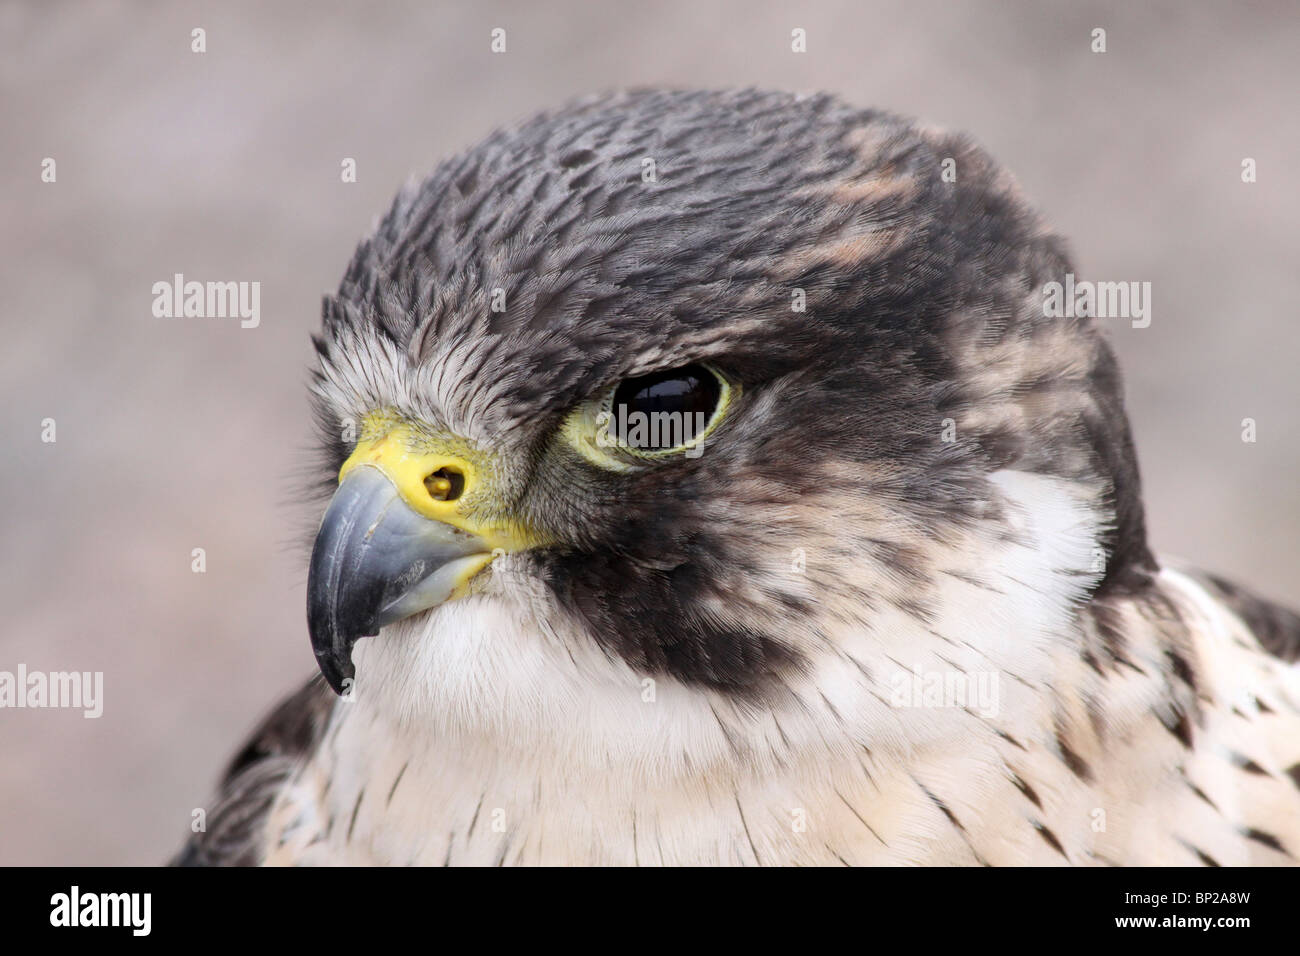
<point x="587" y="428"/>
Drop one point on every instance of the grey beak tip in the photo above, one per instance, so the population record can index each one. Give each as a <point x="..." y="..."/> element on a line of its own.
<point x="337" y="671"/>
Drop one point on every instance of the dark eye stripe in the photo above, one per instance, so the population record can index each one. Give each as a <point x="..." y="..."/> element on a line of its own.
<point x="665" y="409"/>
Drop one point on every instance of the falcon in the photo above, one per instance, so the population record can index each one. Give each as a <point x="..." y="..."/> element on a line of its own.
<point x="707" y="485"/>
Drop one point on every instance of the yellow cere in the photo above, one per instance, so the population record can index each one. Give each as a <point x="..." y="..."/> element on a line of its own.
<point x="443" y="478"/>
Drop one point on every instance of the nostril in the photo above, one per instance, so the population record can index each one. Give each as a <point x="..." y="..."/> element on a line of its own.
<point x="445" y="484"/>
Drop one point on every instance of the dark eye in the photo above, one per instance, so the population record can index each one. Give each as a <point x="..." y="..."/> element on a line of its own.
<point x="665" y="409"/>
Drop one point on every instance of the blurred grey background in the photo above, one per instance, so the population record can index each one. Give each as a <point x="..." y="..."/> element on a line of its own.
<point x="175" y="435"/>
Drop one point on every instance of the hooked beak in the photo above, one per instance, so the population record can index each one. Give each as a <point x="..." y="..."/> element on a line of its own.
<point x="377" y="561"/>
<point x="415" y="517"/>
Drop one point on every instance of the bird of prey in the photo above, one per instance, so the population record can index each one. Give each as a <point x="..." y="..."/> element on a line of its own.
<point x="878" y="591"/>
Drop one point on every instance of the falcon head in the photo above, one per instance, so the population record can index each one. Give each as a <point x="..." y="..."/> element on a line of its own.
<point x="675" y="423"/>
